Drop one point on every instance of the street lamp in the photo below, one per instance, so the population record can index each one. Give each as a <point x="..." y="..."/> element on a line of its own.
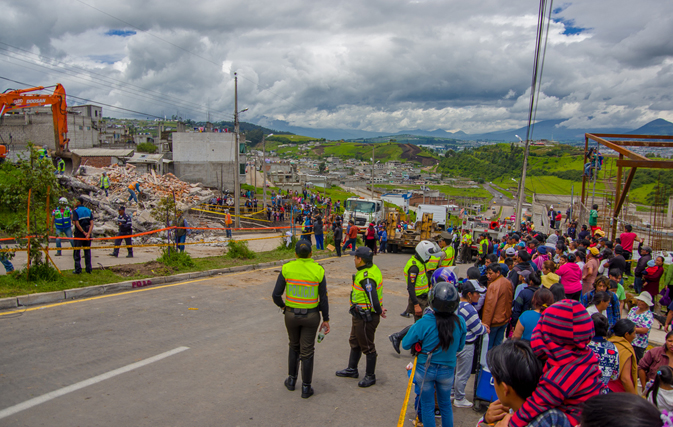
<point x="520" y="140"/>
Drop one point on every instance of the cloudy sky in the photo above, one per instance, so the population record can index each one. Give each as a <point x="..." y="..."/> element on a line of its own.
<point x="376" y="65"/>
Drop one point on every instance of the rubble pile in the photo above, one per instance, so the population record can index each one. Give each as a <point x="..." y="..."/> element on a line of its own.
<point x="153" y="187"/>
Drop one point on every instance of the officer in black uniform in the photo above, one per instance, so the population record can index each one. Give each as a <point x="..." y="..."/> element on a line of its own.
<point x="82" y="218"/>
<point x="367" y="310"/>
<point x="303" y="282"/>
<point x="125" y="224"/>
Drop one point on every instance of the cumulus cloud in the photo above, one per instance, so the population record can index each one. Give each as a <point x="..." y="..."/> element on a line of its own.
<point x="376" y="65"/>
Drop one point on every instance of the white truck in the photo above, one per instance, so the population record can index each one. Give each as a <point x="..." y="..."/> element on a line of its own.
<point x="439" y="213"/>
<point x="363" y="211"/>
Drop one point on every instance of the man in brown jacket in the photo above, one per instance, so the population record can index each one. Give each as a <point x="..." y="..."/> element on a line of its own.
<point x="497" y="305"/>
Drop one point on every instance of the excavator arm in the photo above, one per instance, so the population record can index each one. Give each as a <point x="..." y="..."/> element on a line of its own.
<point x="16" y="99"/>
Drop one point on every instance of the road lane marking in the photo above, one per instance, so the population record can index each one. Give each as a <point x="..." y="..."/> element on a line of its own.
<point x="116" y="294"/>
<point x="69" y="389"/>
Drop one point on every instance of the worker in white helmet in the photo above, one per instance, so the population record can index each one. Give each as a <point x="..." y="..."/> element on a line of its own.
<point x="62" y="223"/>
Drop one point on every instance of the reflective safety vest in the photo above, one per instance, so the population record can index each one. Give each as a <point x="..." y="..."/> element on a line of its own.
<point x="133" y="185"/>
<point x="432" y="263"/>
<point x="61" y="165"/>
<point x="480" y="249"/>
<point x="450" y="255"/>
<point x="302" y="277"/>
<point x="421" y="279"/>
<point x="104" y="182"/>
<point x="359" y="295"/>
<point x="62" y="219"/>
<point x="227" y="219"/>
<point x="42" y="153"/>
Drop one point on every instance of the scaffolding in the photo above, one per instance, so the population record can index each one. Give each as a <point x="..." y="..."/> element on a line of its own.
<point x="613" y="199"/>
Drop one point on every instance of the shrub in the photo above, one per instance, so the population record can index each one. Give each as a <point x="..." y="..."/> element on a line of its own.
<point x="171" y="257"/>
<point x="146" y="147"/>
<point x="239" y="250"/>
<point x="282" y="245"/>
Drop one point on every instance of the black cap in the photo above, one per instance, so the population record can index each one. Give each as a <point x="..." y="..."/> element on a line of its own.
<point x="303" y="248"/>
<point x="122" y="208"/>
<point x="469" y="287"/>
<point x="363" y="252"/>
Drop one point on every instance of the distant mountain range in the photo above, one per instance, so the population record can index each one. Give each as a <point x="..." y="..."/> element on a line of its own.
<point x="545" y="129"/>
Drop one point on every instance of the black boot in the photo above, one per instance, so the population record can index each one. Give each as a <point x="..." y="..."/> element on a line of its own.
<point x="396" y="338"/>
<point x="292" y="369"/>
<point x="352" y="370"/>
<point x="369" y="379"/>
<point x="306" y="377"/>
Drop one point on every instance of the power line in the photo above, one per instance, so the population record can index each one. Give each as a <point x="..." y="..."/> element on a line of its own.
<point x="89" y="83"/>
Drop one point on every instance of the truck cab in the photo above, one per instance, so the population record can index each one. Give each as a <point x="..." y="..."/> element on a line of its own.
<point x="363" y="211"/>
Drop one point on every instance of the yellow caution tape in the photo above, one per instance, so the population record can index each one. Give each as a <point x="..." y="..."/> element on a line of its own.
<point x="403" y="412"/>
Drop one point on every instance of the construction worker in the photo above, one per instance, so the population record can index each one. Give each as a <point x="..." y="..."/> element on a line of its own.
<point x="125" y="224"/>
<point x="62" y="222"/>
<point x="447" y="247"/>
<point x="482" y="248"/>
<point x="83" y="220"/>
<point x="367" y="309"/>
<point x="60" y="166"/>
<point x="43" y="153"/>
<point x="303" y="281"/>
<point x="228" y="221"/>
<point x="182" y="232"/>
<point x="105" y="183"/>
<point x="133" y="188"/>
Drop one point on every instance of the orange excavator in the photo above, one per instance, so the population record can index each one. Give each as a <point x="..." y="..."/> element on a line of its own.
<point x="22" y="98"/>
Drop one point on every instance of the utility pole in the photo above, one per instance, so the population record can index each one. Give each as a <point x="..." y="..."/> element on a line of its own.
<point x="522" y="186"/>
<point x="264" y="166"/>
<point x="237" y="185"/>
<point x="373" y="147"/>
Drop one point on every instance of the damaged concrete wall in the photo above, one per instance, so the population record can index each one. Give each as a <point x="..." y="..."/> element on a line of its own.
<point x="207" y="158"/>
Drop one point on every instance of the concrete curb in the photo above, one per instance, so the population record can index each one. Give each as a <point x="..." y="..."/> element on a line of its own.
<point x="91" y="291"/>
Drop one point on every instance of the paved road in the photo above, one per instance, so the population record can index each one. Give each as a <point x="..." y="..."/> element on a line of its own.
<point x="231" y="374"/>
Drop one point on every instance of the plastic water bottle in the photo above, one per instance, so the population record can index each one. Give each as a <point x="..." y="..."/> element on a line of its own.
<point x="321" y="335"/>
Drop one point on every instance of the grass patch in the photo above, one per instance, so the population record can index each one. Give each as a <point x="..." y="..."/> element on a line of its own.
<point x="170" y="257"/>
<point x="15" y="284"/>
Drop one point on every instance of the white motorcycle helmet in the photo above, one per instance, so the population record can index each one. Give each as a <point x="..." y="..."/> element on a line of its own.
<point x="427" y="249"/>
<point x="62" y="201"/>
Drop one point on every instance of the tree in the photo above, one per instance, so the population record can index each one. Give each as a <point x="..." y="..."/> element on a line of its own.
<point x="322" y="167"/>
<point x="34" y="177"/>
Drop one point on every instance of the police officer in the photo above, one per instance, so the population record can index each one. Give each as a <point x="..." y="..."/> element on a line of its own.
<point x="125" y="224"/>
<point x="83" y="220"/>
<point x="366" y="309"/>
<point x="303" y="281"/>
<point x="416" y="275"/>
<point x="445" y="242"/>
<point x="62" y="222"/>
<point x="482" y="249"/>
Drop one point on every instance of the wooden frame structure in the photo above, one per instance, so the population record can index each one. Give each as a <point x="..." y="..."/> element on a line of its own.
<point x="632" y="161"/>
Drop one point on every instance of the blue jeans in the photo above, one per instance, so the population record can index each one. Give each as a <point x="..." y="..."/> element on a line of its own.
<point x="65" y="232"/>
<point x="228" y="230"/>
<point x="383" y="246"/>
<point x="320" y="241"/>
<point x="496" y="335"/>
<point x="5" y="262"/>
<point x="350" y="242"/>
<point x="438" y="378"/>
<point x="638" y="284"/>
<point x="133" y="196"/>
<point x="106" y="191"/>
<point x="181" y="239"/>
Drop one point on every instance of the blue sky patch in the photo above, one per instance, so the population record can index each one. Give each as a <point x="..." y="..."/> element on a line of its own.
<point x="569" y="26"/>
<point x="120" y="33"/>
<point x="106" y="59"/>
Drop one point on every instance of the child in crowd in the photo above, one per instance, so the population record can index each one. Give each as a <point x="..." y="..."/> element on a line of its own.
<point x="622" y="410"/>
<point x="571" y="372"/>
<point x="661" y="392"/>
<point x="516" y="372"/>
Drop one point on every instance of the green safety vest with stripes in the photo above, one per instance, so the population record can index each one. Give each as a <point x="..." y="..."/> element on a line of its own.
<point x="450" y="255"/>
<point x="359" y="295"/>
<point x="432" y="263"/>
<point x="104" y="182"/>
<point x="480" y="249"/>
<point x="421" y="279"/>
<point x="61" y="165"/>
<point x="62" y="220"/>
<point x="302" y="277"/>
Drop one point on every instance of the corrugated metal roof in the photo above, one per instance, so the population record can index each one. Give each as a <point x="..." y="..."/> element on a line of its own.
<point x="145" y="158"/>
<point x="103" y="152"/>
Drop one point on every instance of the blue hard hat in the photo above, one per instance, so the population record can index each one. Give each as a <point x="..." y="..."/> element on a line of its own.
<point x="444" y="274"/>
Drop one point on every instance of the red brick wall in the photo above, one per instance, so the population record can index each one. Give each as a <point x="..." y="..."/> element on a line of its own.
<point x="97" y="162"/>
<point x="418" y="200"/>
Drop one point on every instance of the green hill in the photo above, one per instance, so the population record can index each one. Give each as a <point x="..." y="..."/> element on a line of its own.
<point x="551" y="170"/>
